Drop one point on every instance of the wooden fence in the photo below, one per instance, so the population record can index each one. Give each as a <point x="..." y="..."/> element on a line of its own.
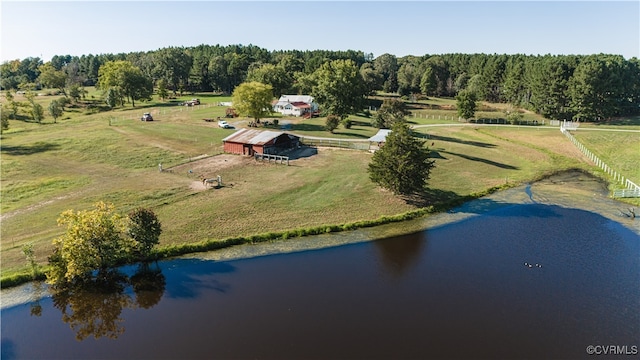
<point x="157" y="112"/>
<point x="632" y="190"/>
<point x="276" y="158"/>
<point x="339" y="143"/>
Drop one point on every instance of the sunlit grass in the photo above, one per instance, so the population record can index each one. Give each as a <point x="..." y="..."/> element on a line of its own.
<point x="112" y="156"/>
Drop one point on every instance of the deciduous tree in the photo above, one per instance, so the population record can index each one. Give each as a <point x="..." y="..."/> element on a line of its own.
<point x="273" y="75"/>
<point x="466" y="104"/>
<point x="372" y="79"/>
<point x="4" y="120"/>
<point x="37" y="112"/>
<point x="12" y="105"/>
<point x="126" y="79"/>
<point x="409" y="75"/>
<point x="93" y="240"/>
<point x="332" y="122"/>
<point x="53" y="78"/>
<point x="513" y="115"/>
<point x="253" y="99"/>
<point x="391" y="112"/>
<point x="30" y="255"/>
<point x="162" y="89"/>
<point x="145" y="230"/>
<point x="386" y="65"/>
<point x="55" y="110"/>
<point x="174" y="65"/>
<point x="339" y="88"/>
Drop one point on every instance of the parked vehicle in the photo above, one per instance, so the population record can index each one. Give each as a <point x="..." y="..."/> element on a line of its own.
<point x="231" y="113"/>
<point x="225" y="125"/>
<point x="146" y="117"/>
<point x="192" y="102"/>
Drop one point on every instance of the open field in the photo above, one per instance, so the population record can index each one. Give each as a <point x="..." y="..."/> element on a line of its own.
<point x="112" y="156"/>
<point x="614" y="148"/>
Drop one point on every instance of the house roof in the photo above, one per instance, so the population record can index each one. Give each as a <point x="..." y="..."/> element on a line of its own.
<point x="295" y="104"/>
<point x="308" y="99"/>
<point x="301" y="105"/>
<point x="252" y="136"/>
<point x="380" y="136"/>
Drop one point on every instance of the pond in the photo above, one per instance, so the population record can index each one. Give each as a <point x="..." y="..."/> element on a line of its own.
<point x="514" y="280"/>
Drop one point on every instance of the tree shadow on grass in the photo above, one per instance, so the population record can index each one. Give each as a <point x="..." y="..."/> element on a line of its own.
<point x="360" y="123"/>
<point x="633" y="120"/>
<point x="171" y="103"/>
<point x="431" y="197"/>
<point x="489" y="162"/>
<point x="38" y="147"/>
<point x="353" y="135"/>
<point x="302" y="152"/>
<point x="436" y="155"/>
<point x="24" y="118"/>
<point x="434" y="138"/>
<point x="307" y="127"/>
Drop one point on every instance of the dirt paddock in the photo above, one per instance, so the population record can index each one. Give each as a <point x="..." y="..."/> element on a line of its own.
<point x="211" y="167"/>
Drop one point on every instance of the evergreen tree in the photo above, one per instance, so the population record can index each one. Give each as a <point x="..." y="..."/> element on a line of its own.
<point x="402" y="164"/>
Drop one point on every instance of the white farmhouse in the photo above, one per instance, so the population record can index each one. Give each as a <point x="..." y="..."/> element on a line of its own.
<point x="296" y="105"/>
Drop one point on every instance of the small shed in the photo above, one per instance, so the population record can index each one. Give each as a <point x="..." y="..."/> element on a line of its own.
<point x="251" y="141"/>
<point x="377" y="140"/>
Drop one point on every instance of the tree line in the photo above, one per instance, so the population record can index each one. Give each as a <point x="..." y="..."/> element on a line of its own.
<point x="579" y="87"/>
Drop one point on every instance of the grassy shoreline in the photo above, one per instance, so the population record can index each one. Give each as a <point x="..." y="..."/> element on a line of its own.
<point x="24" y="275"/>
<point x="45" y="170"/>
<point x="175" y="250"/>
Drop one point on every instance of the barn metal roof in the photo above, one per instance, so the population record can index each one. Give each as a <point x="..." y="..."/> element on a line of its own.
<point x="380" y="136"/>
<point x="252" y="136"/>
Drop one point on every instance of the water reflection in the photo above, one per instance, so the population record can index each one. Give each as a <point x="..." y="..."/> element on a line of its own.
<point x="459" y="290"/>
<point x="148" y="285"/>
<point x="398" y="254"/>
<point x="94" y="308"/>
<point x="35" y="308"/>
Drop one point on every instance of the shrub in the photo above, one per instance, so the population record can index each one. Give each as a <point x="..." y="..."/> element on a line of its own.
<point x="332" y="122"/>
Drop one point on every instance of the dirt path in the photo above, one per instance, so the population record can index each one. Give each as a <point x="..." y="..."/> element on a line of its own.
<point x="35" y="206"/>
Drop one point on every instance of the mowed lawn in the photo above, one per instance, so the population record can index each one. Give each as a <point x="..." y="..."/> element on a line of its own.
<point x="615" y="149"/>
<point x="114" y="157"/>
<point x="471" y="159"/>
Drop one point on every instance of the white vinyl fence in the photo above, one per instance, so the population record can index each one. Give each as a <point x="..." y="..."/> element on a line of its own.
<point x="631" y="189"/>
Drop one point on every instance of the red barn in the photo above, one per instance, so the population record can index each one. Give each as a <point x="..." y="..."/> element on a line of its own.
<point x="250" y="141"/>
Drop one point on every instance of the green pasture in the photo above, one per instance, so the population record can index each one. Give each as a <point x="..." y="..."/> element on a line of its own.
<point x="113" y="156"/>
<point x="616" y="149"/>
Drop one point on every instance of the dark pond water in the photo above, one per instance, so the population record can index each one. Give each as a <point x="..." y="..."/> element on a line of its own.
<point x="456" y="291"/>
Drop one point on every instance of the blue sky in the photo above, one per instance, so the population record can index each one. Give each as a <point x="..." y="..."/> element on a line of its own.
<point x="47" y="28"/>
